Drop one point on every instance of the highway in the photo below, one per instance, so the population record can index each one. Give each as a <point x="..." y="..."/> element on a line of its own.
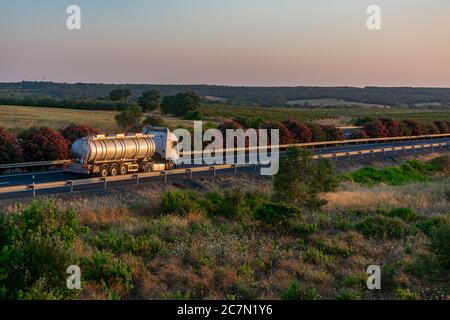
<point x="55" y="176"/>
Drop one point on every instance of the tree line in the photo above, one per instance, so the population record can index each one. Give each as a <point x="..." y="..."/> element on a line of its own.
<point x="271" y="96"/>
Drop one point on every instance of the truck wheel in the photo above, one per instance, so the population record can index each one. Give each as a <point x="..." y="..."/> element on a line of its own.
<point x="114" y="170"/>
<point x="104" y="171"/>
<point x="123" y="169"/>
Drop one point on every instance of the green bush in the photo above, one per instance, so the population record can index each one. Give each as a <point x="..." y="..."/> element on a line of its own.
<point x="427" y="226"/>
<point x="405" y="214"/>
<point x="36" y="247"/>
<point x="193" y="115"/>
<point x="383" y="227"/>
<point x="441" y="164"/>
<point x="440" y="244"/>
<point x="181" y="202"/>
<point x="144" y="245"/>
<point x="233" y="203"/>
<point x="276" y="214"/>
<point x="104" y="266"/>
<point x="295" y="292"/>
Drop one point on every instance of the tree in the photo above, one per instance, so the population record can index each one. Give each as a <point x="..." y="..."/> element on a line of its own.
<point x="74" y="132"/>
<point x="43" y="144"/>
<point x="358" y="134"/>
<point x="120" y="94"/>
<point x="154" y="121"/>
<point x="10" y="150"/>
<point x="180" y="104"/>
<point x="130" y="118"/>
<point x="376" y="129"/>
<point x="301" y="179"/>
<point x="150" y="100"/>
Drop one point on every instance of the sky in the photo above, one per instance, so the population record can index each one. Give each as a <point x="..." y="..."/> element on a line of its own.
<point x="227" y="42"/>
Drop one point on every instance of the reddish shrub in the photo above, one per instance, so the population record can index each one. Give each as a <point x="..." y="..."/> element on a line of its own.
<point x="376" y="129"/>
<point x="10" y="150"/>
<point x="431" y="128"/>
<point x="358" y="134"/>
<point x="416" y="128"/>
<point x="333" y="133"/>
<point x="285" y="134"/>
<point x="317" y="134"/>
<point x="299" y="131"/>
<point x="74" y="132"/>
<point x="443" y="126"/>
<point x="43" y="144"/>
<point x="392" y="126"/>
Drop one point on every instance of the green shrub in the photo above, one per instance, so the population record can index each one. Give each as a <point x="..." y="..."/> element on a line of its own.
<point x="193" y="115"/>
<point x="441" y="164"/>
<point x="36" y="247"/>
<point x="300" y="229"/>
<point x="383" y="227"/>
<point x="410" y="171"/>
<point x="104" y="266"/>
<point x="426" y="226"/>
<point x="233" y="203"/>
<point x="180" y="202"/>
<point x="440" y="244"/>
<point x="405" y="214"/>
<point x="346" y="294"/>
<point x="295" y="292"/>
<point x="145" y="245"/>
<point x="276" y="214"/>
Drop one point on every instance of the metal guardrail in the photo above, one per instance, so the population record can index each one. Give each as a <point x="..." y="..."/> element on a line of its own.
<point x="310" y="144"/>
<point x="136" y="177"/>
<point x="33" y="164"/>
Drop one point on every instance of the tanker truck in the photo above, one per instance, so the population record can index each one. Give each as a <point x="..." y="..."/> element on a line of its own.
<point x="120" y="154"/>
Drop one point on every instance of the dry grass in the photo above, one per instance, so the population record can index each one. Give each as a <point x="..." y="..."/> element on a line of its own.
<point x="429" y="198"/>
<point x="16" y="118"/>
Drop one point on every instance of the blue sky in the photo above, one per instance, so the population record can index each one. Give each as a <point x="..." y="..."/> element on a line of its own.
<point x="245" y="42"/>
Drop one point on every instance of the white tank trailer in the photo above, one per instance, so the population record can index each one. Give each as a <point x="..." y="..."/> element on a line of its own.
<point x="120" y="154"/>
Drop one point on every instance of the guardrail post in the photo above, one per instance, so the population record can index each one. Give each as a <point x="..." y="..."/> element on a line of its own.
<point x="70" y="183"/>
<point x="104" y="183"/>
<point x="33" y="189"/>
<point x="414" y="149"/>
<point x="190" y="173"/>
<point x="213" y="170"/>
<point x="360" y="154"/>
<point x="235" y="168"/>
<point x="384" y="151"/>
<point x="373" y="153"/>
<point x="348" y="154"/>
<point x="165" y="175"/>
<point x="137" y="178"/>
<point x="335" y="157"/>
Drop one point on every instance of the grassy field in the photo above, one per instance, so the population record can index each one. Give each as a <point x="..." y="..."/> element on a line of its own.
<point x="16" y="118"/>
<point x="19" y="117"/>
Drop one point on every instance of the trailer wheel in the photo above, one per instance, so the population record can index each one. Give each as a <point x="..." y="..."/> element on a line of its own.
<point x="104" y="171"/>
<point x="123" y="169"/>
<point x="114" y="170"/>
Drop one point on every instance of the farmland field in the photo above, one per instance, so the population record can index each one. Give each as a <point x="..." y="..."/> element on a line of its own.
<point x="15" y="118"/>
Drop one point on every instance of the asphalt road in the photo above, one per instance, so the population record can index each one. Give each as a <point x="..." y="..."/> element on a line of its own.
<point x="43" y="177"/>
